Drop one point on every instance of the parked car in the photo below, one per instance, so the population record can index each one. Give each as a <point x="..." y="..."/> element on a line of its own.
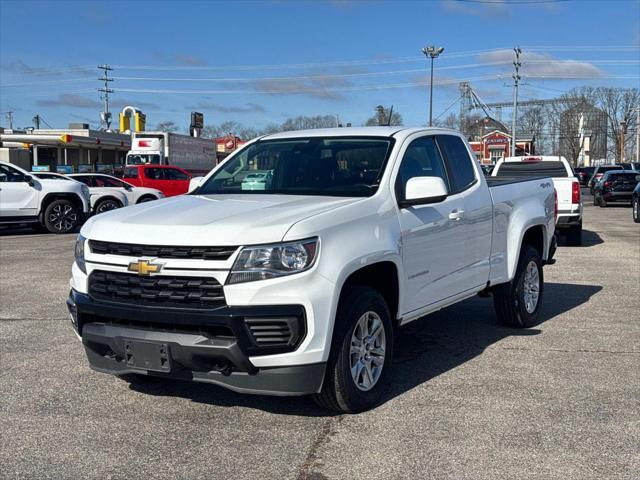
<point x="60" y="207"/>
<point x="635" y="203"/>
<point x="631" y="166"/>
<point x="584" y="174"/>
<point x="103" y="199"/>
<point x="615" y="186"/>
<point x="169" y="179"/>
<point x="134" y="194"/>
<point x="297" y="289"/>
<point x="569" y="220"/>
<point x="598" y="172"/>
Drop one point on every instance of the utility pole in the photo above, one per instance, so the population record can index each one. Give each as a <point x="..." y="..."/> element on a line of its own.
<point x="431" y="52"/>
<point x="10" y="119"/>
<point x="516" y="80"/>
<point x="36" y="121"/>
<point x="105" y="116"/>
<point x="623" y="130"/>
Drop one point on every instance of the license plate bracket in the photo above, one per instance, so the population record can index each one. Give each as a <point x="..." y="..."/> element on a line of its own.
<point x="153" y="356"/>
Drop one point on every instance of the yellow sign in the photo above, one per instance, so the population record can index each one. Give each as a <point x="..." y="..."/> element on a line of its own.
<point x="144" y="268"/>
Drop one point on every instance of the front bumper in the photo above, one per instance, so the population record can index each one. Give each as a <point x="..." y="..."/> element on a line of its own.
<point x="205" y="346"/>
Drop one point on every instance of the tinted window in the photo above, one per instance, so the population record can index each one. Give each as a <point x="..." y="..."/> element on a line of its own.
<point x="154" y="173"/>
<point x="130" y="173"/>
<point x="532" y="169"/>
<point x="101" y="181"/>
<point x="421" y="159"/>
<point x="174" y="174"/>
<point x="8" y="174"/>
<point x="86" y="180"/>
<point x="330" y="166"/>
<point x="459" y="164"/>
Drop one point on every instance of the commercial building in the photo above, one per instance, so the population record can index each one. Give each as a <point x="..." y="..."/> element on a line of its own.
<point x="75" y="149"/>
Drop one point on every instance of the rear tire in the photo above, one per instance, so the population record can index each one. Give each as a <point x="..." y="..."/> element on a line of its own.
<point x="361" y="353"/>
<point x="61" y="216"/>
<point x="635" y="203"/>
<point x="574" y="235"/>
<point x="106" y="205"/>
<point x="516" y="303"/>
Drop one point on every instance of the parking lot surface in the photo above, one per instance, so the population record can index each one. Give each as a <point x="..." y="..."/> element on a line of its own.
<point x="470" y="399"/>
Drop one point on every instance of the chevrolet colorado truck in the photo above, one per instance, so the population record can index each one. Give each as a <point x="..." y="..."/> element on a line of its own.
<point x="60" y="207"/>
<point x="298" y="288"/>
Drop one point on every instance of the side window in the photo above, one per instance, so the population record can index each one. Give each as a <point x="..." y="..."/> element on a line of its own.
<point x="154" y="173"/>
<point x="8" y="174"/>
<point x="459" y="164"/>
<point x="174" y="174"/>
<point x="130" y="172"/>
<point x="88" y="181"/>
<point x="421" y="159"/>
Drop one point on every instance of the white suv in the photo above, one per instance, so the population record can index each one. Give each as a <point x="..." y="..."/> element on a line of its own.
<point x="24" y="199"/>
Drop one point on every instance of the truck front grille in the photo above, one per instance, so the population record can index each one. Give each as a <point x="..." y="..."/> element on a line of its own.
<point x="176" y="292"/>
<point x="184" y="252"/>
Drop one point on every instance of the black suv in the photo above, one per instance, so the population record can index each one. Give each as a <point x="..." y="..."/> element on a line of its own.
<point x="635" y="203"/>
<point x="615" y="186"/>
<point x="598" y="172"/>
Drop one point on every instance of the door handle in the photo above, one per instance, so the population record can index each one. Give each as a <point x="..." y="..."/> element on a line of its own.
<point x="456" y="214"/>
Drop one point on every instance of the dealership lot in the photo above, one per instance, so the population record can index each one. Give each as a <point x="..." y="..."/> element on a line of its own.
<point x="470" y="399"/>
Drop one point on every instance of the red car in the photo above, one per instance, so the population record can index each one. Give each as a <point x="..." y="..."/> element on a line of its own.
<point x="168" y="179"/>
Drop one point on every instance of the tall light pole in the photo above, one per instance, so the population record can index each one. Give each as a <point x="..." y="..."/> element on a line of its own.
<point x="432" y="52"/>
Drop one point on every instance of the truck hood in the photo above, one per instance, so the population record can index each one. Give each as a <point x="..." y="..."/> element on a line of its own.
<point x="209" y="219"/>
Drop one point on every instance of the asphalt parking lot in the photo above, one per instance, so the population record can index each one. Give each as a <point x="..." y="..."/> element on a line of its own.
<point x="470" y="399"/>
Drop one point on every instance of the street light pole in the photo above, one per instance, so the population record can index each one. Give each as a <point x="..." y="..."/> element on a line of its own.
<point x="432" y="53"/>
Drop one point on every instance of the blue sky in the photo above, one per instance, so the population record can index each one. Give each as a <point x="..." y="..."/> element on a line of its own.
<point x="259" y="62"/>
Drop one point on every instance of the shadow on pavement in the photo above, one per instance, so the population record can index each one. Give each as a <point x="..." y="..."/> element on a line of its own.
<point x="589" y="239"/>
<point x="424" y="349"/>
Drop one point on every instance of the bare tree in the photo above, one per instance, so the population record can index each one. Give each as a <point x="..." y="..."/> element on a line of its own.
<point x="381" y="117"/>
<point x="618" y="104"/>
<point x="450" y="121"/>
<point x="167" y="126"/>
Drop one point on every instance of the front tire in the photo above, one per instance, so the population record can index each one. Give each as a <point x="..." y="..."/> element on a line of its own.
<point x="106" y="205"/>
<point x="635" y="203"/>
<point x="361" y="353"/>
<point x="61" y="216"/>
<point x="517" y="303"/>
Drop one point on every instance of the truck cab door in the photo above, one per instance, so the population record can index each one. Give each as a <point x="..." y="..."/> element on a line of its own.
<point x="153" y="177"/>
<point x="432" y="236"/>
<point x="18" y="196"/>
<point x="476" y="221"/>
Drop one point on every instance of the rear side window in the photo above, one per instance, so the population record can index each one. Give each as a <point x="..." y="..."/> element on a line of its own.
<point x="174" y="174"/>
<point x="459" y="164"/>
<point x="130" y="173"/>
<point x="154" y="173"/>
<point x="88" y="181"/>
<point x="532" y="169"/>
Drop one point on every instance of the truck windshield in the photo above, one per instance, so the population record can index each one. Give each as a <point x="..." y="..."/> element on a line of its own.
<point x="143" y="159"/>
<point x="329" y="166"/>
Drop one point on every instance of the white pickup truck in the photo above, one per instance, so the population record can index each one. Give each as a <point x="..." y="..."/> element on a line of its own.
<point x="297" y="288"/>
<point x="569" y="221"/>
<point x="60" y="207"/>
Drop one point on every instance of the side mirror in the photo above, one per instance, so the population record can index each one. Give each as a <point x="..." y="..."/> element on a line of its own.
<point x="194" y="183"/>
<point x="29" y="180"/>
<point x="423" y="190"/>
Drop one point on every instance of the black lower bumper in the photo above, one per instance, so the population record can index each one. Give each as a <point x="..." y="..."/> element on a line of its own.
<point x="205" y="346"/>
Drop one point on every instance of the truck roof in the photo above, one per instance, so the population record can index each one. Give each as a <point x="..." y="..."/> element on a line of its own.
<point x="356" y="132"/>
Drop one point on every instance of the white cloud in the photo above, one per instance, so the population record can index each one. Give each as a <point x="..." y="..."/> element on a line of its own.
<point x="538" y="65"/>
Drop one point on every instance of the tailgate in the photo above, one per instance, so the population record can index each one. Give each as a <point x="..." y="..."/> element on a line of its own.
<point x="563" y="187"/>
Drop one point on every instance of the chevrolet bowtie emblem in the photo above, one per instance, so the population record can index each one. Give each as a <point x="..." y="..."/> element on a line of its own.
<point x="144" y="268"/>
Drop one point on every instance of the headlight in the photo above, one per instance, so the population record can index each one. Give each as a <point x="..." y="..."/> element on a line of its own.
<point x="79" y="253"/>
<point x="269" y="261"/>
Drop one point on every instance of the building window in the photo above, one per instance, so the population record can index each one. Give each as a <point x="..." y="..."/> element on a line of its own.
<point x="496" y="154"/>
